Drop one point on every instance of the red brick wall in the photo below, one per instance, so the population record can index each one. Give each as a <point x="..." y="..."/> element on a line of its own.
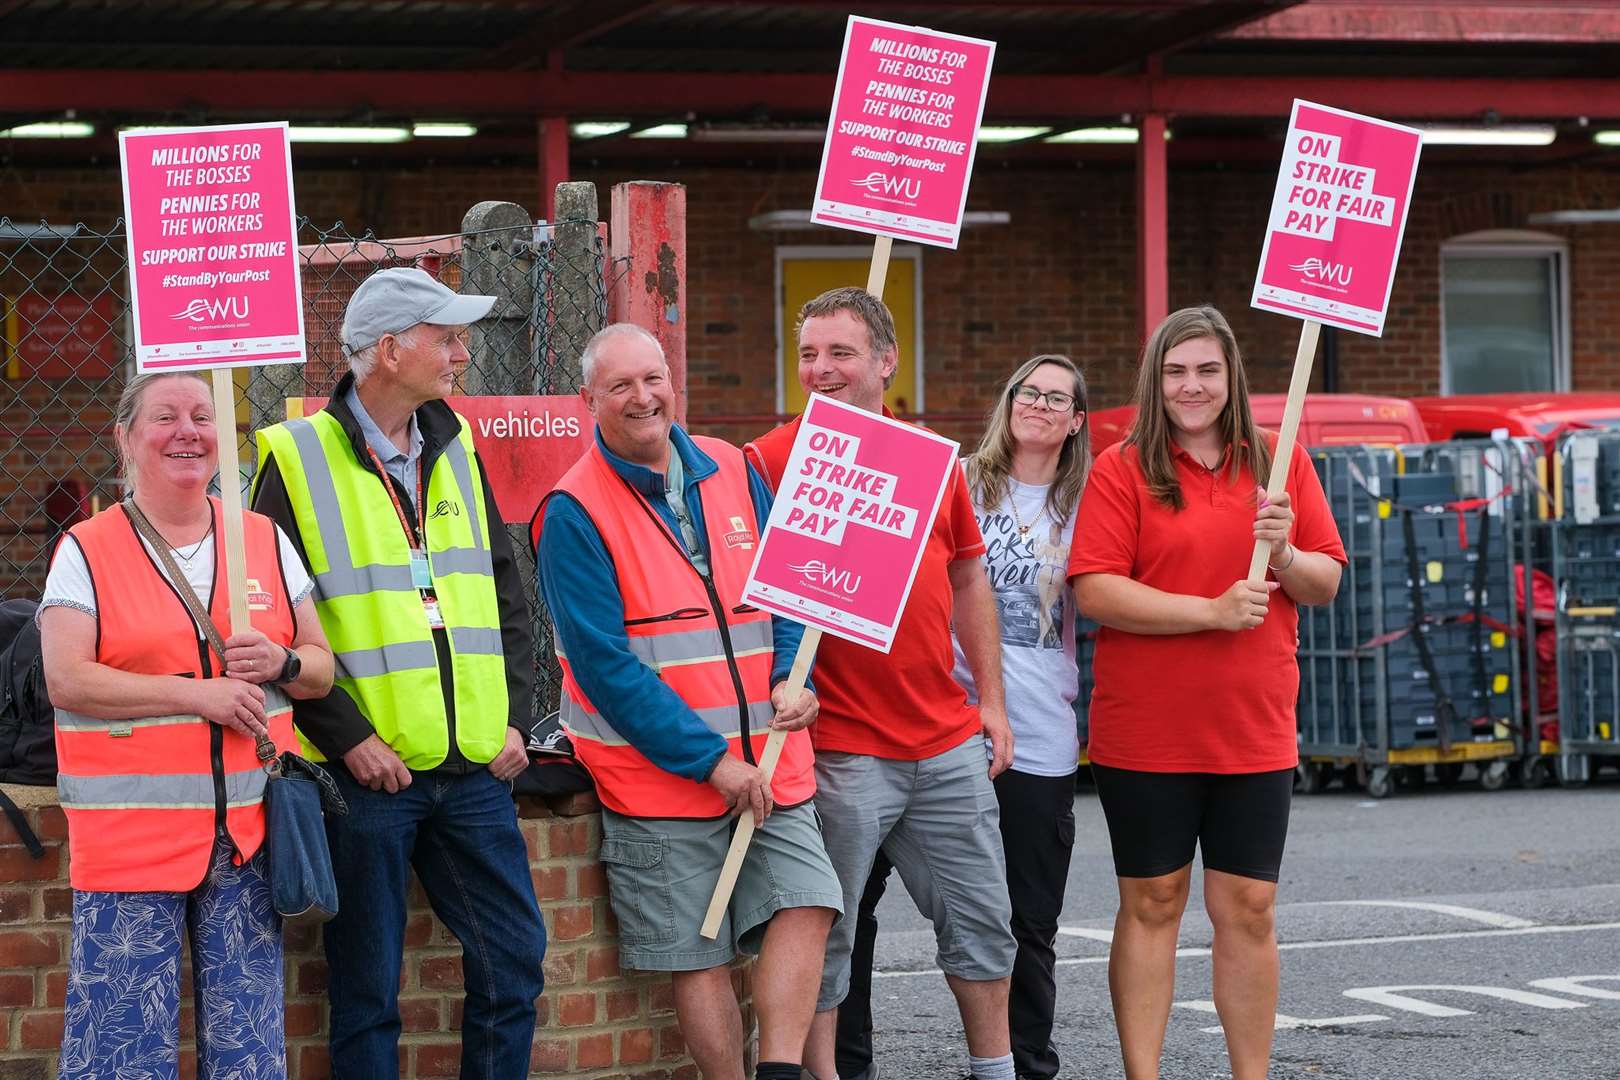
<point x="1060" y="277"/>
<point x="594" y="1021"/>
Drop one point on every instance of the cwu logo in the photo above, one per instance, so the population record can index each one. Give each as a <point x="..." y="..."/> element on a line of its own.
<point x="1316" y="269"/>
<point x="204" y="309"/>
<point x="906" y="187"/>
<point x="816" y="572"/>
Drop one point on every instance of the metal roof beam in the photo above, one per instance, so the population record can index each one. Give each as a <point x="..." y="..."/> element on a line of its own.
<point x="1170" y="34"/>
<point x="1439" y="23"/>
<point x="565" y="31"/>
<point x="428" y="93"/>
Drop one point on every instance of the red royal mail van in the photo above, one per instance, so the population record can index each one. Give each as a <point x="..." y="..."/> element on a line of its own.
<point x="1543" y="415"/>
<point x="1328" y="420"/>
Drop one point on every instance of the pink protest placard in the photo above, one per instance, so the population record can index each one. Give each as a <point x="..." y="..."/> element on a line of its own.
<point x="851" y="517"/>
<point x="213" y="252"/>
<point x="903" y="130"/>
<point x="1337" y="218"/>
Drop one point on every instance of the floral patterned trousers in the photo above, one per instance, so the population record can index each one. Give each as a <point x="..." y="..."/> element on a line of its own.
<point x="123" y="990"/>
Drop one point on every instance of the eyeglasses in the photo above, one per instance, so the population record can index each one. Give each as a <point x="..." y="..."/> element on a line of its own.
<point x="1056" y="400"/>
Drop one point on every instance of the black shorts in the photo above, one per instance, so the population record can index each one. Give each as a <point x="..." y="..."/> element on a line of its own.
<point x="1155" y="820"/>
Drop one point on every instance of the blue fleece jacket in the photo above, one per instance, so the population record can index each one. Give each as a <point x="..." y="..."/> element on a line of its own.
<point x="580" y="588"/>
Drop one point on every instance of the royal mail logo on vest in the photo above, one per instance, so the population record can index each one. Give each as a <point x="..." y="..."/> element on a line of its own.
<point x="740" y="536"/>
<point x="258" y="599"/>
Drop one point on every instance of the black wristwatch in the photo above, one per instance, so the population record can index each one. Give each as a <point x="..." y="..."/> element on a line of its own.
<point x="290" y="668"/>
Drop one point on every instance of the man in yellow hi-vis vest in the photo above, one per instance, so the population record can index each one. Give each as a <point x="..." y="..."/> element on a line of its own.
<point x="424" y="729"/>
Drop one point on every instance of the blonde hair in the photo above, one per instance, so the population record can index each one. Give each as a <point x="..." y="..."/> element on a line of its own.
<point x="989" y="466"/>
<point x="129" y="404"/>
<point x="1150" y="433"/>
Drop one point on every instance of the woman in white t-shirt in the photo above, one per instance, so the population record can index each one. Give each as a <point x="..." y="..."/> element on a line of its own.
<point x="159" y="774"/>
<point x="1025" y="482"/>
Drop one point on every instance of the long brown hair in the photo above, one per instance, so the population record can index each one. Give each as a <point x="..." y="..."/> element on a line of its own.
<point x="989" y="466"/>
<point x="1150" y="433"/>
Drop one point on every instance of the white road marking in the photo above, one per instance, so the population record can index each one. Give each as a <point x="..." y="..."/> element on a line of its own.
<point x="1106" y="936"/>
<point x="1286" y="1022"/>
<point x="1489" y="918"/>
<point x="1575" y="984"/>
<point x="1394" y="997"/>
<point x="1339" y="943"/>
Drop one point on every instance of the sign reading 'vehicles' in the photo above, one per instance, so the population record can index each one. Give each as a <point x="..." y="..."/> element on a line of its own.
<point x="904" y="127"/>
<point x="524" y="443"/>
<point x="852" y="514"/>
<point x="213" y="250"/>
<point x="1337" y="218"/>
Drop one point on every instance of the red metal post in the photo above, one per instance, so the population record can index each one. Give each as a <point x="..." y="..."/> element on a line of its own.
<point x="647" y="279"/>
<point x="553" y="162"/>
<point x="1152" y="226"/>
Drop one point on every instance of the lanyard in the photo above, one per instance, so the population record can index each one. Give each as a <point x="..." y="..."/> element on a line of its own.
<point x="411" y="538"/>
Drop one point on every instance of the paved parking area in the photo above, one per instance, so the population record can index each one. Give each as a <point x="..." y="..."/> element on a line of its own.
<point x="1456" y="935"/>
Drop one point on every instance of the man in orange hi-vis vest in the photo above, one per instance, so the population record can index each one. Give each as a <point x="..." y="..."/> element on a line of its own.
<point x="671" y="684"/>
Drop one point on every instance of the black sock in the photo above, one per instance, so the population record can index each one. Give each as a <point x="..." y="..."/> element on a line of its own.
<point x="776" y="1070"/>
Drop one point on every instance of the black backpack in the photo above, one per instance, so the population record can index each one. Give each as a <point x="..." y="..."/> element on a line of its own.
<point x="27" y="721"/>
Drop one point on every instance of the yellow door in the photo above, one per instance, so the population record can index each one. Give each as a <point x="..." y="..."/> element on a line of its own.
<point x="806" y="277"/>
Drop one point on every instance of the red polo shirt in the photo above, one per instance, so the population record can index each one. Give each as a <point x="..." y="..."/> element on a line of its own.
<point x="1212" y="701"/>
<point x="904" y="706"/>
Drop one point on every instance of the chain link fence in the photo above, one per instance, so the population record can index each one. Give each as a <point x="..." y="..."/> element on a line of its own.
<point x="67" y="349"/>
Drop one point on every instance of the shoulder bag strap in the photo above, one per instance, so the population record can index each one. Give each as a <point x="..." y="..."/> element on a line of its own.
<point x="265" y="749"/>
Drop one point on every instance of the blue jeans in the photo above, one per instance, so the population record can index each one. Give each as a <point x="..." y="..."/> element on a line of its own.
<point x="123" y="990"/>
<point x="460" y="834"/>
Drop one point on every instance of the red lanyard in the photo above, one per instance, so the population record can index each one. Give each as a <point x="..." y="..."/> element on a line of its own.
<point x="411" y="537"/>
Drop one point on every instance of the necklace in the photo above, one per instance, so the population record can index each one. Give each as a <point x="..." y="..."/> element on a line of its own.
<point x="195" y="551"/>
<point x="1023" y="530"/>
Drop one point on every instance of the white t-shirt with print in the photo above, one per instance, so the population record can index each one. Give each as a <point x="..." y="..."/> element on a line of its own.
<point x="1028" y="575"/>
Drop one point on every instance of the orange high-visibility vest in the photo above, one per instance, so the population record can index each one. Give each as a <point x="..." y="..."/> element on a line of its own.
<point x="697" y="634"/>
<point x="145" y="795"/>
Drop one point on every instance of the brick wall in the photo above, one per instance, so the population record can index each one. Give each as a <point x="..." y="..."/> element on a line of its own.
<point x="594" y="1021"/>
<point x="1060" y="277"/>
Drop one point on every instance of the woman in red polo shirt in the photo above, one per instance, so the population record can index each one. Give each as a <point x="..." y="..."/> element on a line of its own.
<point x="1192" y="718"/>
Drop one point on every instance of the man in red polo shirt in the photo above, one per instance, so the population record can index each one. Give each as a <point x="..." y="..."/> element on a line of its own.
<point x="900" y="753"/>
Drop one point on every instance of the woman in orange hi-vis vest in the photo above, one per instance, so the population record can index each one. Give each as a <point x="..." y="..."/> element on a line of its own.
<point x="158" y="774"/>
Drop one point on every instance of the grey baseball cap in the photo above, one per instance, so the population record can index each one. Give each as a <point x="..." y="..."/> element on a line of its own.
<point x="394" y="300"/>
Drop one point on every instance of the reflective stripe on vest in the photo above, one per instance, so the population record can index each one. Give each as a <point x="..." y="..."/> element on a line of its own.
<point x="143" y="795"/>
<point x="143" y="791"/>
<point x="371" y="610"/>
<point x="714" y="652"/>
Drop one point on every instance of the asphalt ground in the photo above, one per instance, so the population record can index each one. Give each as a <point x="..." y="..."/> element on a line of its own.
<point x="1454" y="935"/>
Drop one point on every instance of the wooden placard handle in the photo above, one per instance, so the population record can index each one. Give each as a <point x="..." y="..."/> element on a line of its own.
<point x="1278" y="481"/>
<point x="878" y="273"/>
<point x="767" y="766"/>
<point x="230" y="496"/>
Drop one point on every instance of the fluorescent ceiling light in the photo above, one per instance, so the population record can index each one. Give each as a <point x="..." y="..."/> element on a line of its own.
<point x="661" y="131"/>
<point x="798" y="220"/>
<point x="443" y="131"/>
<point x="1010" y="134"/>
<point x="1576" y="217"/>
<point x="1493" y="135"/>
<point x="12" y="231"/>
<point x="595" y="129"/>
<point x="1607" y="138"/>
<point x="348" y="134"/>
<point x="1098" y="135"/>
<point x="54" y="129"/>
<point x="722" y="133"/>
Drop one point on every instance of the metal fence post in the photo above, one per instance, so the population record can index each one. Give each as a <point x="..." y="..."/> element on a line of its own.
<point x="497" y="260"/>
<point x="648" y="238"/>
